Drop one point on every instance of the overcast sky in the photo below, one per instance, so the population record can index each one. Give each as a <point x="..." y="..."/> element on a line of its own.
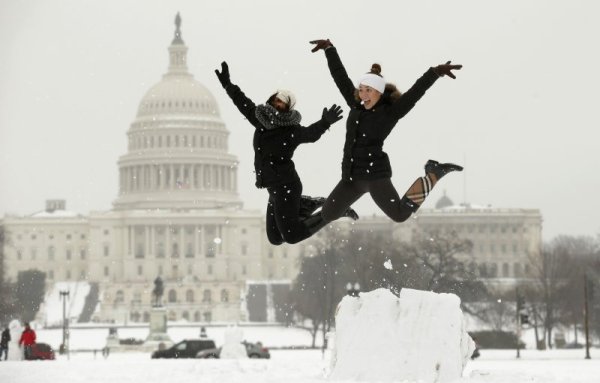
<point x="523" y="115"/>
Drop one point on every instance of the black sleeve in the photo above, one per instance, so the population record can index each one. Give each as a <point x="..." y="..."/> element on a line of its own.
<point x="312" y="132"/>
<point x="408" y="100"/>
<point x="338" y="72"/>
<point x="243" y="103"/>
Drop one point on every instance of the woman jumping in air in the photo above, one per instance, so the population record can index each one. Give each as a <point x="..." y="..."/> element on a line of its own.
<point x="375" y="108"/>
<point x="278" y="133"/>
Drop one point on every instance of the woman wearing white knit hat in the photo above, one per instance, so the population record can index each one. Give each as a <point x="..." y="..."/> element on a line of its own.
<point x="375" y="108"/>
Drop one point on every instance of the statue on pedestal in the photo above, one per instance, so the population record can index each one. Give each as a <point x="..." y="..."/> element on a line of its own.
<point x="157" y="292"/>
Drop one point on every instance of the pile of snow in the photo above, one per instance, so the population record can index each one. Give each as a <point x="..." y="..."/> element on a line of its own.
<point x="51" y="311"/>
<point x="15" y="352"/>
<point x="233" y="347"/>
<point x="419" y="336"/>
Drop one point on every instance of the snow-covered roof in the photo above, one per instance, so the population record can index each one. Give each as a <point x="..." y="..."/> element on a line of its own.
<point x="56" y="214"/>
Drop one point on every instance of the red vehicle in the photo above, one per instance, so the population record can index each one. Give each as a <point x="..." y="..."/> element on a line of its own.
<point x="41" y="351"/>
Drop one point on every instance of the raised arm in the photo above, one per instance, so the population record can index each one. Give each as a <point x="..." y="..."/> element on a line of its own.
<point x="337" y="70"/>
<point x="408" y="100"/>
<point x="314" y="131"/>
<point x="243" y="103"/>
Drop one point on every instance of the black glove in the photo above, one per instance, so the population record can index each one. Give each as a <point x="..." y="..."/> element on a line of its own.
<point x="446" y="69"/>
<point x="223" y="75"/>
<point x="332" y="115"/>
<point x="321" y="44"/>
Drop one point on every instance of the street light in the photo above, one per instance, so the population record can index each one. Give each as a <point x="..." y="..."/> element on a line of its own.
<point x="64" y="295"/>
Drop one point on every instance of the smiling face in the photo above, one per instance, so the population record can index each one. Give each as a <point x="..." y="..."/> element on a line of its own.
<point x="369" y="96"/>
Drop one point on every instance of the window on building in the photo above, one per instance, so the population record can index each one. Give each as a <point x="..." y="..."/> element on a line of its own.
<point x="505" y="270"/>
<point x="139" y="250"/>
<point x="106" y="250"/>
<point x="106" y="271"/>
<point x="172" y="296"/>
<point x="210" y="270"/>
<point x="189" y="251"/>
<point x="493" y="270"/>
<point x="82" y="253"/>
<point x="119" y="296"/>
<point x="189" y="296"/>
<point x="160" y="250"/>
<point x="68" y="237"/>
<point x="33" y="253"/>
<point x="140" y="270"/>
<point x="33" y="236"/>
<point x="197" y="316"/>
<point x="207" y="316"/>
<point x="243" y="269"/>
<point x="224" y="295"/>
<point x="51" y="253"/>
<point x="68" y="274"/>
<point x="503" y="249"/>
<point x="244" y="249"/>
<point x="68" y="255"/>
<point x="82" y="236"/>
<point x="518" y="270"/>
<point x="160" y="270"/>
<point x="19" y="254"/>
<point x="206" y="296"/>
<point x="106" y="231"/>
<point x="174" y="250"/>
<point x="527" y="270"/>
<point x="483" y="270"/>
<point x="185" y="315"/>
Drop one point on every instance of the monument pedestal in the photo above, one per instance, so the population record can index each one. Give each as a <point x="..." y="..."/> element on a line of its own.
<point x="158" y="336"/>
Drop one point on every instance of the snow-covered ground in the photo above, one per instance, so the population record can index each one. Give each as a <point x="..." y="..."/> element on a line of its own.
<point x="298" y="366"/>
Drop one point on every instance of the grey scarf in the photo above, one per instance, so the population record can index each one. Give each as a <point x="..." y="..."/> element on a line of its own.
<point x="271" y="118"/>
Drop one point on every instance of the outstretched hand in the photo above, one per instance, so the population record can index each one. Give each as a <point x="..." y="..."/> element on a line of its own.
<point x="320" y="44"/>
<point x="223" y="75"/>
<point x="445" y="69"/>
<point x="333" y="114"/>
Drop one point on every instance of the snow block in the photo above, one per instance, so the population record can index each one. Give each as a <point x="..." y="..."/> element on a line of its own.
<point x="419" y="336"/>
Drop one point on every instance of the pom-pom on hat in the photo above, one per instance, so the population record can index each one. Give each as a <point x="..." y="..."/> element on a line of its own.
<point x="287" y="97"/>
<point x="374" y="79"/>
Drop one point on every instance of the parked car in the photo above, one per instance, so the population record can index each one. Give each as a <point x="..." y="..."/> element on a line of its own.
<point x="187" y="348"/>
<point x="254" y="351"/>
<point x="41" y="351"/>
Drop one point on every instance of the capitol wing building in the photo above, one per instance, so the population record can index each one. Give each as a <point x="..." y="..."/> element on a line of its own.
<point x="178" y="215"/>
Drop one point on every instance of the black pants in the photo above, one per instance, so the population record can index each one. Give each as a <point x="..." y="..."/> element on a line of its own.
<point x="283" y="221"/>
<point x="382" y="191"/>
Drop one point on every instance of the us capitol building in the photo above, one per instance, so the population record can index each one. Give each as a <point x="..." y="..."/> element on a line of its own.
<point x="178" y="215"/>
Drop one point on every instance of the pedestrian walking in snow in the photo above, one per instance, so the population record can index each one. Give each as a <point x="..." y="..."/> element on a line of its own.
<point x="375" y="108"/>
<point x="4" y="343"/>
<point x="27" y="340"/>
<point x="277" y="134"/>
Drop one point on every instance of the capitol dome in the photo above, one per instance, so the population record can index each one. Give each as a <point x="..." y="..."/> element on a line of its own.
<point x="178" y="94"/>
<point x="177" y="153"/>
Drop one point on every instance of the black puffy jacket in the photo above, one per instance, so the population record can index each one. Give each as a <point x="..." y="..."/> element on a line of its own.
<point x="366" y="130"/>
<point x="274" y="148"/>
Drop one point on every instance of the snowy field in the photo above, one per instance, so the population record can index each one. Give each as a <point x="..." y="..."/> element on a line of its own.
<point x="494" y="366"/>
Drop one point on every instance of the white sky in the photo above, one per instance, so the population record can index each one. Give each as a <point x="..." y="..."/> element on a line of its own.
<point x="522" y="112"/>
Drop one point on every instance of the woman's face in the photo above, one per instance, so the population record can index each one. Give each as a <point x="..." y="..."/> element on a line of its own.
<point x="368" y="96"/>
<point x="281" y="106"/>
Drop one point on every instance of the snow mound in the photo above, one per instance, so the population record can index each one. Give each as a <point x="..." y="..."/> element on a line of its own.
<point x="419" y="336"/>
<point x="51" y="310"/>
<point x="233" y="347"/>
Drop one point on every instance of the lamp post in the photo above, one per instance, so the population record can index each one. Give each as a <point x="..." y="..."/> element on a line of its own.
<point x="64" y="295"/>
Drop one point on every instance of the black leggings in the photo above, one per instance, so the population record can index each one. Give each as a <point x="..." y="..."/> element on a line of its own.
<point x="382" y="191"/>
<point x="283" y="220"/>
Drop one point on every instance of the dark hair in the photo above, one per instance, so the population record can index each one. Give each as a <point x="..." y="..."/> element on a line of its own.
<point x="272" y="98"/>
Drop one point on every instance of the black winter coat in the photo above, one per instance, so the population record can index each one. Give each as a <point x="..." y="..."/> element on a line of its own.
<point x="274" y="148"/>
<point x="5" y="338"/>
<point x="366" y="130"/>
